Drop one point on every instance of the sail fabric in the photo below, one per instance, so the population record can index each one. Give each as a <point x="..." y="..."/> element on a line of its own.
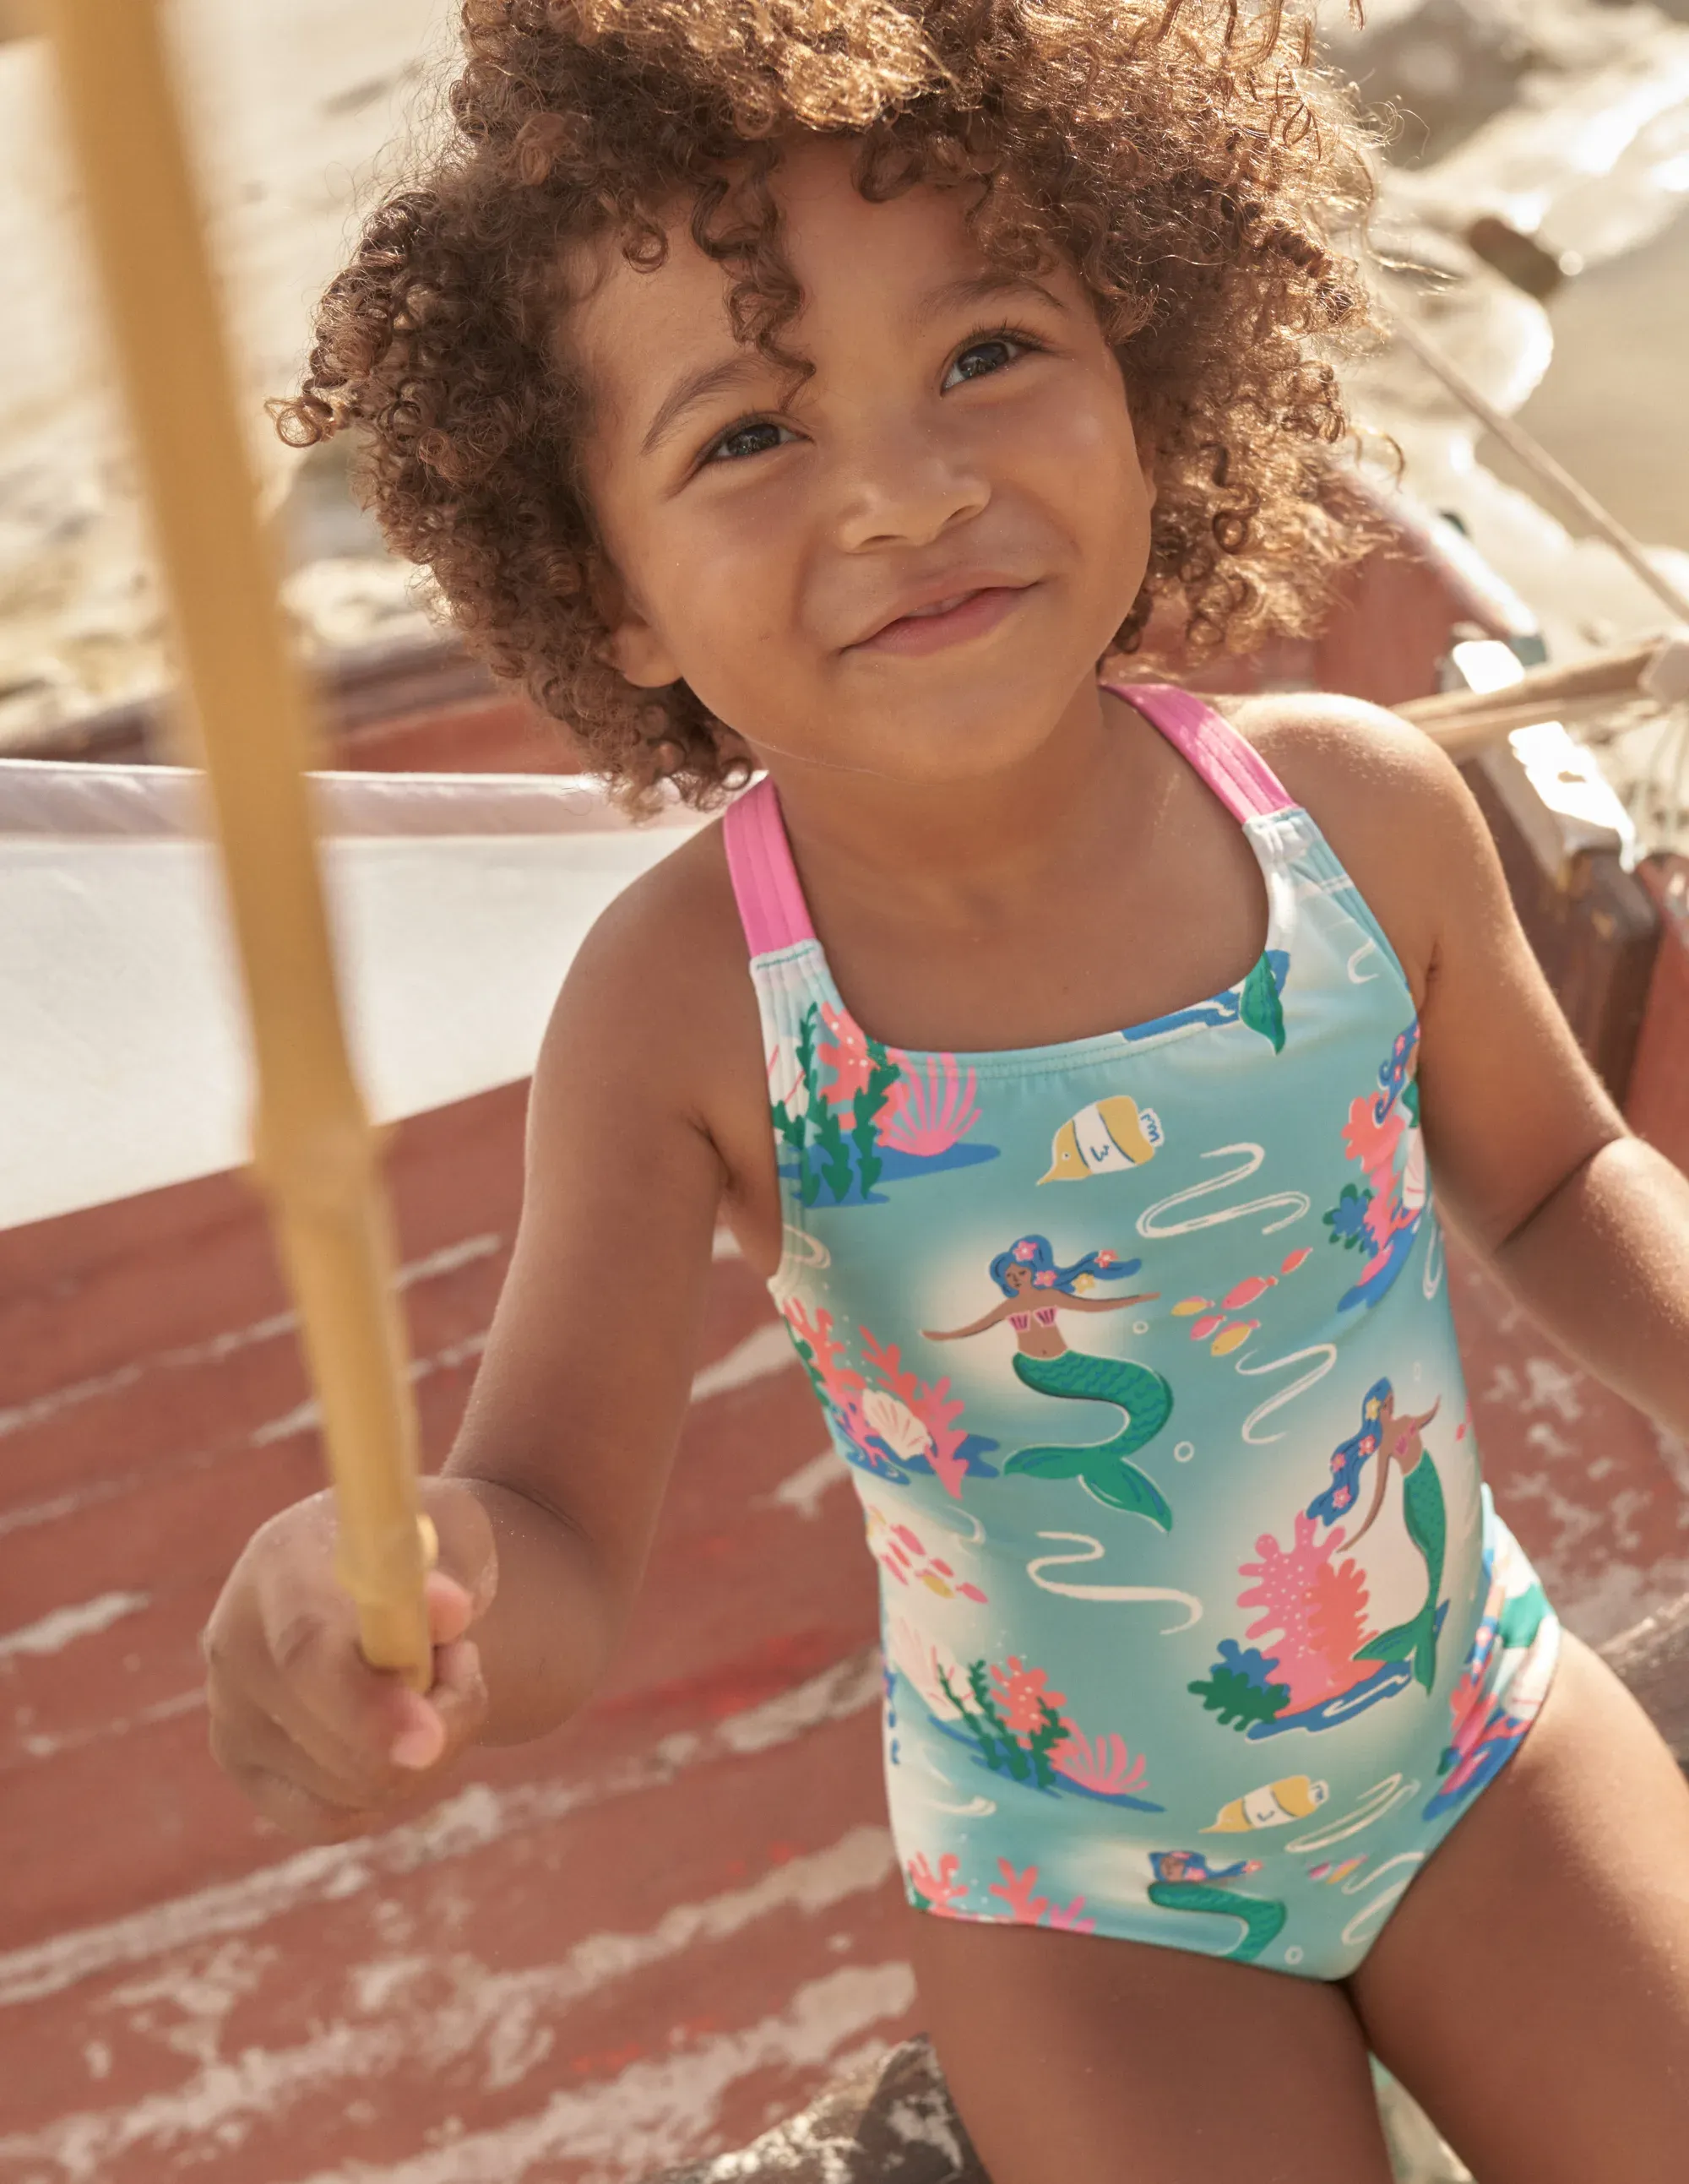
<point x="457" y="900"/>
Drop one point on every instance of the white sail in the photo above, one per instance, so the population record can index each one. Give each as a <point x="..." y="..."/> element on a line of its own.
<point x="457" y="903"/>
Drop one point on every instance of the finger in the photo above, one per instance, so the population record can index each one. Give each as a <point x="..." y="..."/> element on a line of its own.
<point x="252" y="1746"/>
<point x="445" y="1719"/>
<point x="467" y="1551"/>
<point x="452" y="1607"/>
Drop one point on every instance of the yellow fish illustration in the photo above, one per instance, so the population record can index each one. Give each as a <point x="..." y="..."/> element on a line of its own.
<point x="1108" y="1135"/>
<point x="1275" y="1804"/>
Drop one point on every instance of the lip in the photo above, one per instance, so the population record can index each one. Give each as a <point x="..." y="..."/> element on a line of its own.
<point x="982" y="602"/>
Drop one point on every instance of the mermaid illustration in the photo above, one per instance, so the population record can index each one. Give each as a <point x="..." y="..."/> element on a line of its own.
<point x="1394" y="1440"/>
<point x="1035" y="1290"/>
<point x="1185" y="1881"/>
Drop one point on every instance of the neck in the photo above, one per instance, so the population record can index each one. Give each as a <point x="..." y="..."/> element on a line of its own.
<point x="980" y="846"/>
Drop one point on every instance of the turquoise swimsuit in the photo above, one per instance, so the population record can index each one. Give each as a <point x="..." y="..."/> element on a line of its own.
<point x="1199" y="1626"/>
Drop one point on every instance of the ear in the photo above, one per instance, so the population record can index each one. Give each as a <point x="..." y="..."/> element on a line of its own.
<point x="635" y="648"/>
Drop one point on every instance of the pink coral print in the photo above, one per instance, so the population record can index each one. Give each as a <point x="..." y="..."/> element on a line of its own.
<point x="900" y="1425"/>
<point x="1106" y="1767"/>
<point x="1318" y="1609"/>
<point x="931" y="1109"/>
<point x="1009" y="1712"/>
<point x="1024" y="1694"/>
<point x="1015" y="1889"/>
<point x="951" y="1453"/>
<point x="844" y="1051"/>
<point x="1315" y="1666"/>
<point x="941" y="1891"/>
<point x="1381" y="1217"/>
<point x="1027" y="1909"/>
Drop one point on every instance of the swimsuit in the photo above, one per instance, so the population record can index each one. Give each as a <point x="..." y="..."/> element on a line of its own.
<point x="1144" y="1675"/>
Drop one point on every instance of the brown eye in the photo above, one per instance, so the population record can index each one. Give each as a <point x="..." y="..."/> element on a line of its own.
<point x="982" y="358"/>
<point x="754" y="439"/>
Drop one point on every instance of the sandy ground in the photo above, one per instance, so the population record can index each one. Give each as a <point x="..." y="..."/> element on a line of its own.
<point x="300" y="113"/>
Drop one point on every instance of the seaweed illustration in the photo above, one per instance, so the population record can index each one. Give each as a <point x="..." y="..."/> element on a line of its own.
<point x="1019" y="1746"/>
<point x="866" y="1106"/>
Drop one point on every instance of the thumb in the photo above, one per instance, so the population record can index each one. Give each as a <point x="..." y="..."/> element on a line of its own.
<point x="468" y="1561"/>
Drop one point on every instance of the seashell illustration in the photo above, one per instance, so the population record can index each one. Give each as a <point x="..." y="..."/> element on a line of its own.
<point x="1292" y="1797"/>
<point x="895" y="1423"/>
<point x="1104" y="1139"/>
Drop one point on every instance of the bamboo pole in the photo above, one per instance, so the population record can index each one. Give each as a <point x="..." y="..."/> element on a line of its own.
<point x="1464" y="721"/>
<point x="1536" y="457"/>
<point x="315" y="1152"/>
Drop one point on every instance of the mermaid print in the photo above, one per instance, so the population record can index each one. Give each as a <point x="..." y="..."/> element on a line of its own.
<point x="1382" y="1216"/>
<point x="1185" y="1734"/>
<point x="1035" y="1292"/>
<point x="1313" y="1664"/>
<point x="1396" y="1441"/>
<point x="1185" y="1881"/>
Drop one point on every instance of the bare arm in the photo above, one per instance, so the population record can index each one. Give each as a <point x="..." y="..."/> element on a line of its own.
<point x="1099" y="1304"/>
<point x="572" y="1427"/>
<point x="979" y="1327"/>
<point x="547" y="1505"/>
<point x="1381" y="1480"/>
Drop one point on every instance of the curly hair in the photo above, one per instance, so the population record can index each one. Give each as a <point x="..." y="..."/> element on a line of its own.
<point x="1187" y="157"/>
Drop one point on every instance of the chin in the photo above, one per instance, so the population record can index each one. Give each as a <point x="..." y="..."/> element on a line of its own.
<point x="961" y="738"/>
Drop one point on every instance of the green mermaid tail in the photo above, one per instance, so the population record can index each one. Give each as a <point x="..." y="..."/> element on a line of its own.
<point x="1427" y="1521"/>
<point x="1101" y="1467"/>
<point x="1262" y="1918"/>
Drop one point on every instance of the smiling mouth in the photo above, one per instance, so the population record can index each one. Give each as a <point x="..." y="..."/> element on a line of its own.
<point x="952" y="620"/>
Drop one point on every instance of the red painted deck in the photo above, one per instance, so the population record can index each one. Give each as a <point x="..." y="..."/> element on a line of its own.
<point x="644" y="1937"/>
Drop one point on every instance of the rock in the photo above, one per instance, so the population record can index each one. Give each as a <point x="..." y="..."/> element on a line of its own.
<point x="892" y="2123"/>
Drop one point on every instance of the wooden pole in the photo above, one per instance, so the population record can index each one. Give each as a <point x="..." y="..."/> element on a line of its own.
<point x="316" y="1156"/>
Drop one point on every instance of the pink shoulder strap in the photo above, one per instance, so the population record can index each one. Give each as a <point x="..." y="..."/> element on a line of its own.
<point x="770" y="900"/>
<point x="1242" y="780"/>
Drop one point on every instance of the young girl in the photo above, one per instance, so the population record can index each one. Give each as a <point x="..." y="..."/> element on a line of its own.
<point x="824" y="388"/>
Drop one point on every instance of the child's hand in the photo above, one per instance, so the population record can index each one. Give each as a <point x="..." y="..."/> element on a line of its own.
<point x="324" y="1745"/>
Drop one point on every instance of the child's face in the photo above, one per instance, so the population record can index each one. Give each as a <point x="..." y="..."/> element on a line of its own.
<point x="770" y="540"/>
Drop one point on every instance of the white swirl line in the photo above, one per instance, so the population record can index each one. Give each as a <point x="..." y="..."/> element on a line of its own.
<point x="939" y="1518"/>
<point x="1367" y="948"/>
<point x="1371" y="1914"/>
<point x="807" y="1250"/>
<point x="1254" y="1155"/>
<point x="1095" y="1551"/>
<point x="975" y="1808"/>
<point x="1327" y="1354"/>
<point x="1431" y="1279"/>
<point x="1383" y="1797"/>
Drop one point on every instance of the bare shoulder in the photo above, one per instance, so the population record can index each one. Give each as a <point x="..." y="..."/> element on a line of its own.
<point x="660" y="992"/>
<point x="1393" y="808"/>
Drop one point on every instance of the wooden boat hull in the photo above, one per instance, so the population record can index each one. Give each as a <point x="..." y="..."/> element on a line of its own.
<point x="634" y="1943"/>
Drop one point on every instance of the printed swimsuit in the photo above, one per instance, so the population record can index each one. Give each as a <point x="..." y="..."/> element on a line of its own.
<point x="1199" y="1626"/>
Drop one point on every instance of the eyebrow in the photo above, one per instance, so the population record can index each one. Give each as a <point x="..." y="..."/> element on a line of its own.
<point x="696" y="387"/>
<point x="748" y="364"/>
<point x="979" y="288"/>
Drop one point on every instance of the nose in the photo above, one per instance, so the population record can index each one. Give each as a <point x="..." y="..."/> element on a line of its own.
<point x="906" y="488"/>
